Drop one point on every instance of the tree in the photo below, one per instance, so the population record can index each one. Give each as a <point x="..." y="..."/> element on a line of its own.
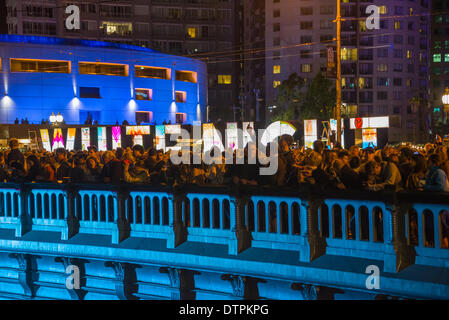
<point x="289" y="97"/>
<point x="319" y="99"/>
<point x="299" y="100"/>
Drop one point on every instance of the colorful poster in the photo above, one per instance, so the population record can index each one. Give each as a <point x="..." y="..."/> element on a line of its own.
<point x="333" y="127"/>
<point x="137" y="130"/>
<point x="368" y="123"/>
<point x="58" y="141"/>
<point x="173" y="129"/>
<point x="116" y="137"/>
<point x="310" y="133"/>
<point x="232" y="138"/>
<point x="85" y="138"/>
<point x="138" y="140"/>
<point x="160" y="138"/>
<point x="102" y="139"/>
<point x="45" y="139"/>
<point x="71" y="132"/>
<point x="369" y="138"/>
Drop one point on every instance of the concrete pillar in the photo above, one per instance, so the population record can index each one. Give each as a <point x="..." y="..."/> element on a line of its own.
<point x="122" y="229"/>
<point x="398" y="253"/>
<point x="179" y="234"/>
<point x="313" y="245"/>
<point x="25" y="221"/>
<point x="242" y="239"/>
<point x="71" y="223"/>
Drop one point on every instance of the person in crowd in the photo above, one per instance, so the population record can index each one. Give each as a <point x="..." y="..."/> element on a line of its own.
<point x="436" y="178"/>
<point x="14" y="154"/>
<point x="390" y="176"/>
<point x="416" y="179"/>
<point x="93" y="170"/>
<point x="64" y="168"/>
<point x="112" y="171"/>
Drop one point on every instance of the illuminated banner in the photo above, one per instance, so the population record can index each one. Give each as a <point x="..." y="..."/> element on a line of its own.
<point x="248" y="133"/>
<point x="275" y="130"/>
<point x="102" y="139"/>
<point x="369" y="138"/>
<point x="366" y="123"/>
<point x="331" y="71"/>
<point x="310" y="133"/>
<point x="71" y="132"/>
<point x="85" y="138"/>
<point x="116" y="137"/>
<point x="160" y="138"/>
<point x="137" y="132"/>
<point x="211" y="138"/>
<point x="232" y="138"/>
<point x="333" y="127"/>
<point x="45" y="139"/>
<point x="58" y="141"/>
<point x="173" y="129"/>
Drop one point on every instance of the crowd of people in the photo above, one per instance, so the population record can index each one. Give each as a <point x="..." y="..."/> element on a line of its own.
<point x="368" y="169"/>
<point x="393" y="168"/>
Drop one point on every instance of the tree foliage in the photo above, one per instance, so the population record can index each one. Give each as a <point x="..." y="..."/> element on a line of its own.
<point x="298" y="100"/>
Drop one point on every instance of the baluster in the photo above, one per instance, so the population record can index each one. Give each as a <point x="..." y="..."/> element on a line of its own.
<point x="13" y="207"/>
<point x="267" y="217"/>
<point x="211" y="214"/>
<point x="290" y="218"/>
<point x="436" y="228"/>
<point x="83" y="218"/>
<point x="371" y="223"/>
<point x="256" y="215"/>
<point x="106" y="208"/>
<point x="330" y="219"/>
<point x="357" y="228"/>
<point x="278" y="217"/>
<point x="50" y="205"/>
<point x="344" y="222"/>
<point x="36" y="205"/>
<point x="200" y="204"/>
<point x="420" y="229"/>
<point x="6" y="204"/>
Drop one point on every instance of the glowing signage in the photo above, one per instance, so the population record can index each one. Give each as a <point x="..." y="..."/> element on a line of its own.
<point x="232" y="139"/>
<point x="160" y="138"/>
<point x="310" y="133"/>
<point x="102" y="139"/>
<point x="116" y="137"/>
<point x="366" y="123"/>
<point x="369" y="138"/>
<point x="85" y="138"/>
<point x="275" y="130"/>
<point x="45" y="139"/>
<point x="58" y="141"/>
<point x="71" y="132"/>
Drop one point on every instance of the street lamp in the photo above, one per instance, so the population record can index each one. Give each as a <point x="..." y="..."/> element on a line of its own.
<point x="446" y="103"/>
<point x="56" y="119"/>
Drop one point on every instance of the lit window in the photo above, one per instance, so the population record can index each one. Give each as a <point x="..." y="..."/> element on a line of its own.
<point x="152" y="72"/>
<point x="191" y="32"/>
<point x="276" y="69"/>
<point x="382" y="9"/>
<point x="437" y="57"/>
<point x="397" y="25"/>
<point x="307" y="67"/>
<point x="409" y="54"/>
<point x="144" y="116"/>
<point x="348" y="54"/>
<point x="224" y="79"/>
<point x="181" y="96"/>
<point x="276" y="83"/>
<point x="105" y="69"/>
<point x="117" y="28"/>
<point x="186" y="76"/>
<point x="30" y="65"/>
<point x="181" y="118"/>
<point x="382" y="67"/>
<point x="446" y="57"/>
<point x="144" y="94"/>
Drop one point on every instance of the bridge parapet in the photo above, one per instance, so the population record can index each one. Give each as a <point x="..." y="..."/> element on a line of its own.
<point x="400" y="228"/>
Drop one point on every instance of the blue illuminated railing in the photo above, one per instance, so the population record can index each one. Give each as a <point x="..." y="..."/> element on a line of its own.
<point x="399" y="228"/>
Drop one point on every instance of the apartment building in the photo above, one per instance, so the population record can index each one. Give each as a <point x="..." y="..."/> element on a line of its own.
<point x="384" y="71"/>
<point x="200" y="29"/>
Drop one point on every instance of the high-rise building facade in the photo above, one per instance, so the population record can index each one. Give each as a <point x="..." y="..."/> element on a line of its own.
<point x="197" y="29"/>
<point x="384" y="70"/>
<point x="439" y="72"/>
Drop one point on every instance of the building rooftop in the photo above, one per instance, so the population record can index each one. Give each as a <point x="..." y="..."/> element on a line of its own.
<point x="70" y="42"/>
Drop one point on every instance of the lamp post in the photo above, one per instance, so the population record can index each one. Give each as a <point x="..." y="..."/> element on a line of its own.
<point x="56" y="120"/>
<point x="338" y="84"/>
<point x="446" y="104"/>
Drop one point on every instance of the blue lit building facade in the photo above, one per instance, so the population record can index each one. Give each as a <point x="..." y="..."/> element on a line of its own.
<point x="110" y="82"/>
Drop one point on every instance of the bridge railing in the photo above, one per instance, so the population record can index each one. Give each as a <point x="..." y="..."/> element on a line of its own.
<point x="399" y="228"/>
